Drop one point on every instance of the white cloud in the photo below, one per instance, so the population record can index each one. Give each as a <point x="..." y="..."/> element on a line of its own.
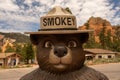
<point x="28" y="1"/>
<point x="90" y="8"/>
<point x="15" y="16"/>
<point x="8" y="5"/>
<point x="82" y="9"/>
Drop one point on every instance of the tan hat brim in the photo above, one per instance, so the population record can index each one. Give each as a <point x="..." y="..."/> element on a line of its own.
<point x="60" y="32"/>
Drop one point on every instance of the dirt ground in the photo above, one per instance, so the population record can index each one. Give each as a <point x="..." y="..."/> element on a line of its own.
<point x="111" y="70"/>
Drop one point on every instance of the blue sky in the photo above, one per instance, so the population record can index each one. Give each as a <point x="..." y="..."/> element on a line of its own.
<point x="24" y="15"/>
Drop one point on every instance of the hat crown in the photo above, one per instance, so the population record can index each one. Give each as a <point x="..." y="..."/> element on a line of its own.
<point x="58" y="21"/>
<point x="58" y="11"/>
<point x="58" y="18"/>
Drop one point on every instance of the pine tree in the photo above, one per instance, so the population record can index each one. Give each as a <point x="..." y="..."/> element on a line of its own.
<point x="102" y="36"/>
<point x="116" y="40"/>
<point x="9" y="49"/>
<point x="29" y="52"/>
<point x="18" y="48"/>
<point x="108" y="40"/>
<point x="91" y="42"/>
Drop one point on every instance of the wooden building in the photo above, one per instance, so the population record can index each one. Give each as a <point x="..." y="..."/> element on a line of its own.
<point x="99" y="53"/>
<point x="9" y="59"/>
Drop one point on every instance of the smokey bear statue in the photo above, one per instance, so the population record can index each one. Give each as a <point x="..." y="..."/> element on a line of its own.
<point x="59" y="49"/>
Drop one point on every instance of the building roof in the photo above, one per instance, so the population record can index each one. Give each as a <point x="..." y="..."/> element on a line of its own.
<point x="4" y="55"/>
<point x="98" y="51"/>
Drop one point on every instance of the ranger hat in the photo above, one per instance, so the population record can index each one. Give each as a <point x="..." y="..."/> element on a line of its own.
<point x="58" y="21"/>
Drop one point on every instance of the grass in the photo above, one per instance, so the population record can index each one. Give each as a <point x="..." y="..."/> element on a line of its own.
<point x="102" y="61"/>
<point x="18" y="66"/>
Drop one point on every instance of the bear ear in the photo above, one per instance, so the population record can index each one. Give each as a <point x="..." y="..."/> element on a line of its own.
<point x="34" y="39"/>
<point x="84" y="37"/>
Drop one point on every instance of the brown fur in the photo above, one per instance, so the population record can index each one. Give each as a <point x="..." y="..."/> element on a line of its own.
<point x="69" y="67"/>
<point x="85" y="73"/>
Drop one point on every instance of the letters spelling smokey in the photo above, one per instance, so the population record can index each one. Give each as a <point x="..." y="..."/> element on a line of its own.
<point x="55" y="21"/>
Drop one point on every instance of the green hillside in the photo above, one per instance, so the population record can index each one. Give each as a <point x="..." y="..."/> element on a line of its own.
<point x="19" y="37"/>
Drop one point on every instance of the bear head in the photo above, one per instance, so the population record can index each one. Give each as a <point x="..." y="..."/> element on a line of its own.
<point x="58" y="53"/>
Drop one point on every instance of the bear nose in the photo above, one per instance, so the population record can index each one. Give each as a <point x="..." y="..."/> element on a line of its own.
<point x="60" y="51"/>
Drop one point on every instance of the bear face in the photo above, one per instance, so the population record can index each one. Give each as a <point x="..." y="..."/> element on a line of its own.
<point x="60" y="53"/>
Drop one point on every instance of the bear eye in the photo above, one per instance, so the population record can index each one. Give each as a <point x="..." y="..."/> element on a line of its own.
<point x="72" y="44"/>
<point x="48" y="44"/>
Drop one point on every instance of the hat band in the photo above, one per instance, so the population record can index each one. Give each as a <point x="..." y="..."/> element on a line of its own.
<point x="57" y="29"/>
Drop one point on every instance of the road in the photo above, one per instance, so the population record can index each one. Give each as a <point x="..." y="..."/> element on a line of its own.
<point x="112" y="70"/>
<point x="14" y="74"/>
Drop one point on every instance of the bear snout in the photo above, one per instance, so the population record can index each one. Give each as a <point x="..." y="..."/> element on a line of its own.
<point x="60" y="55"/>
<point x="60" y="51"/>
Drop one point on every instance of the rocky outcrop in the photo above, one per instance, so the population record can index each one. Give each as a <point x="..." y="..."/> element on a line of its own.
<point x="98" y="21"/>
<point x="97" y="24"/>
